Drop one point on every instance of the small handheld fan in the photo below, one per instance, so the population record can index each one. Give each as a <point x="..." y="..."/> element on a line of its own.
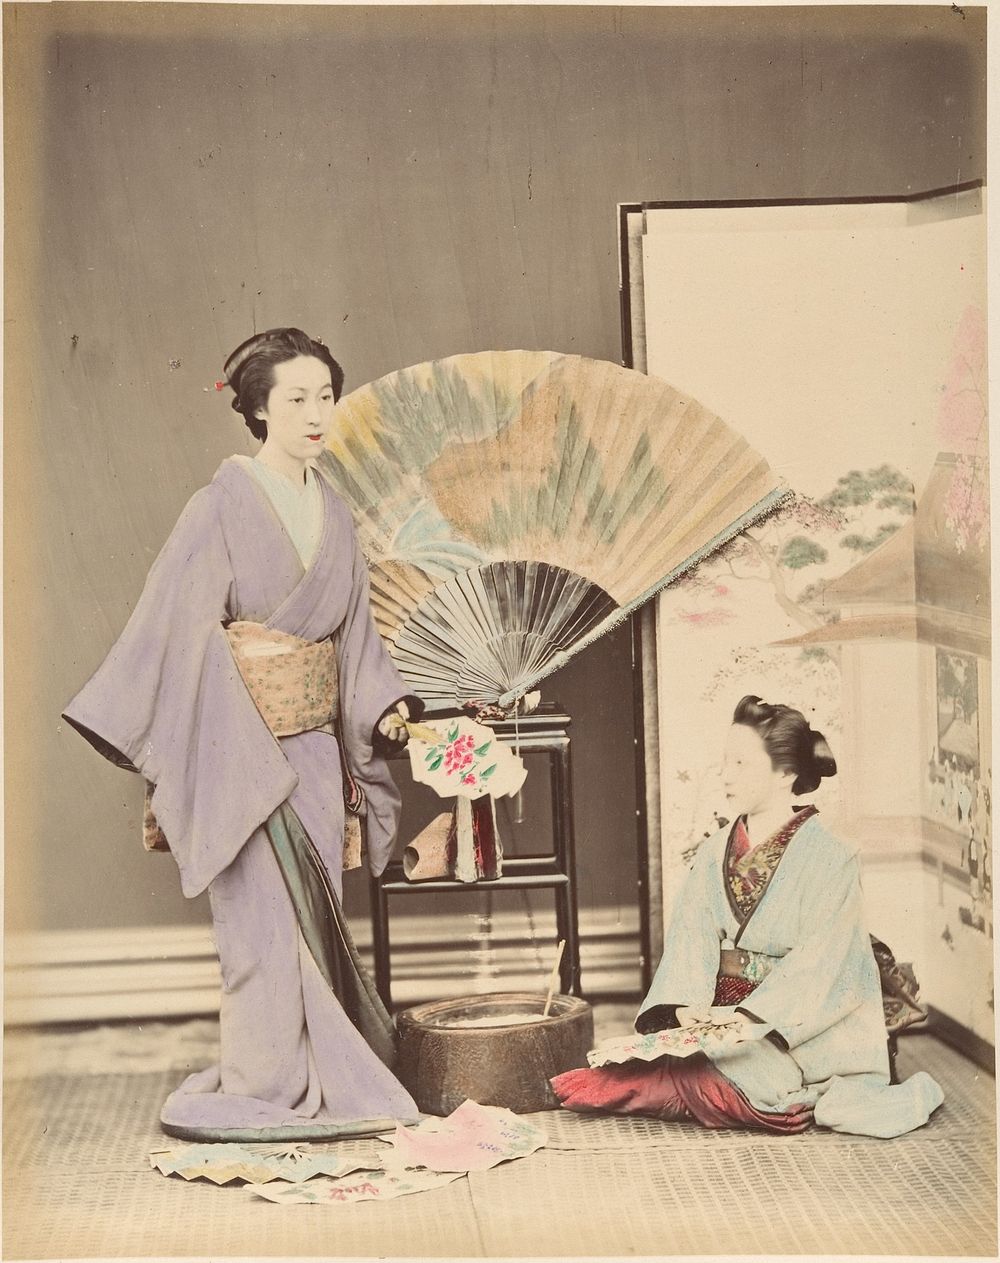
<point x="515" y="505"/>
<point x="461" y="757"/>
<point x="720" y="1028"/>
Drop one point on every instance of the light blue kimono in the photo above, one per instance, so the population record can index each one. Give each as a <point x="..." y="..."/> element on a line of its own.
<point x="823" y="996"/>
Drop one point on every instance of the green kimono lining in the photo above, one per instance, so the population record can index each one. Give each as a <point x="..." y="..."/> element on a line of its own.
<point x="326" y="933"/>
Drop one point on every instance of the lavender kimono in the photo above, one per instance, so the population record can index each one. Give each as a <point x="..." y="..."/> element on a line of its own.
<point x="170" y="703"/>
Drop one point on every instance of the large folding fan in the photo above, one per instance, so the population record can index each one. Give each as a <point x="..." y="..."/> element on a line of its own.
<point x="515" y="505"/>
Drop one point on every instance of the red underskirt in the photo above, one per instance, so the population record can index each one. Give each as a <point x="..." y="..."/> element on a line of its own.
<point x="676" y="1089"/>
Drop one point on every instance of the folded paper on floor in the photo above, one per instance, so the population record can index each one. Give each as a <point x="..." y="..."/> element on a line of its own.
<point x="472" y="1138"/>
<point x="371" y="1186"/>
<point x="434" y="1153"/>
<point x="223" y="1163"/>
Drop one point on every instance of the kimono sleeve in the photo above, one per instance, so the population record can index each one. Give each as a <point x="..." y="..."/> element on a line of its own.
<point x="370" y="685"/>
<point x="832" y="970"/>
<point x="690" y="963"/>
<point x="168" y="701"/>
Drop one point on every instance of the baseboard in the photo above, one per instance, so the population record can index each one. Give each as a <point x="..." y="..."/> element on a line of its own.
<point x="169" y="972"/>
<point x="945" y="1028"/>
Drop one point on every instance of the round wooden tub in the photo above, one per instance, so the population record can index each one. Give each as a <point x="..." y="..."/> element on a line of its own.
<point x="495" y="1049"/>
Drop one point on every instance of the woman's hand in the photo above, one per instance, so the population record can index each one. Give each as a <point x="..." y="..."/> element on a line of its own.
<point x="691" y="1016"/>
<point x="393" y="724"/>
<point x="744" y="1027"/>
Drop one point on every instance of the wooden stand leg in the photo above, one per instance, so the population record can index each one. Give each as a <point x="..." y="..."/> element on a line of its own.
<point x="565" y="895"/>
<point x="380" y="941"/>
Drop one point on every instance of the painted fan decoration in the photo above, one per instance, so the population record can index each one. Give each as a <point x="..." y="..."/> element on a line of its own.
<point x="460" y="757"/>
<point x="515" y="505"/>
<point x="719" y="1028"/>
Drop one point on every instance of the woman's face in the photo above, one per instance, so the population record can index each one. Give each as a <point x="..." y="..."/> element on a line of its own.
<point x="751" y="783"/>
<point x="299" y="407"/>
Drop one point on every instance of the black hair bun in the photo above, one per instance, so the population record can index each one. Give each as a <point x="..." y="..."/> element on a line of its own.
<point x="817" y="762"/>
<point x="822" y="756"/>
<point x="750" y="710"/>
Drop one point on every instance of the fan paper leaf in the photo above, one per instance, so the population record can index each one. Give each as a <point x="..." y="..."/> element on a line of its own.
<point x="515" y="505"/>
<point x="370" y="1186"/>
<point x="457" y="758"/>
<point x="721" y="1030"/>
<point x="473" y="1137"/>
<point x="437" y="1151"/>
<point x="223" y="1163"/>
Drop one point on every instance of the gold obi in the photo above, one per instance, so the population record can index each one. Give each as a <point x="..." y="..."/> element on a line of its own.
<point x="294" y="684"/>
<point x="737" y="962"/>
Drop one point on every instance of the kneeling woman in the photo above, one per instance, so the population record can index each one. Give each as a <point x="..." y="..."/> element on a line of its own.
<point x="769" y="925"/>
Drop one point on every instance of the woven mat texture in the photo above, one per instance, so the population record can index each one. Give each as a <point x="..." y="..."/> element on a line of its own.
<point x="78" y="1184"/>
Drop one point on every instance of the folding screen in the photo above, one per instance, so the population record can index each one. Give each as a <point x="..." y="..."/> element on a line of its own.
<point x="846" y="342"/>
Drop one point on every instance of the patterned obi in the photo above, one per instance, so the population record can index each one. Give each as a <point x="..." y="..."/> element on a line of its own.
<point x="747" y="872"/>
<point x="740" y="972"/>
<point x="293" y="682"/>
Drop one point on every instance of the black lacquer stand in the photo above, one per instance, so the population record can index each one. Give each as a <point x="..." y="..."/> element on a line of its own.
<point x="545" y="731"/>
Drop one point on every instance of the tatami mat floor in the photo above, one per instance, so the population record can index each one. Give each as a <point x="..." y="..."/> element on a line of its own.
<point x="80" y="1119"/>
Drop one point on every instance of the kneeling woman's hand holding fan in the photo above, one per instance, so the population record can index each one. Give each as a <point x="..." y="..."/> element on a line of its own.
<point x="515" y="505"/>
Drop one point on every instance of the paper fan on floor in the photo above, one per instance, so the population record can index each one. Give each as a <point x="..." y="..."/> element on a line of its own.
<point x="515" y="505"/>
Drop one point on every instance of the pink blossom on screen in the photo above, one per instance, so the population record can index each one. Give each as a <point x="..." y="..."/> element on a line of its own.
<point x="706" y="618"/>
<point x="962" y="412"/>
<point x="962" y="429"/>
<point x="966" y="504"/>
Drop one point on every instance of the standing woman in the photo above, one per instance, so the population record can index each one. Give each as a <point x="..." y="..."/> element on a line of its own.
<point x="253" y="693"/>
<point x="769" y="930"/>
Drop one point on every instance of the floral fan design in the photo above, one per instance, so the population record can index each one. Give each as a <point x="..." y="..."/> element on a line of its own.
<point x="515" y="505"/>
<point x="459" y="756"/>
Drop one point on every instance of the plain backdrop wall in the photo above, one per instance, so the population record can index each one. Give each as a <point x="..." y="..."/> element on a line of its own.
<point x="406" y="183"/>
